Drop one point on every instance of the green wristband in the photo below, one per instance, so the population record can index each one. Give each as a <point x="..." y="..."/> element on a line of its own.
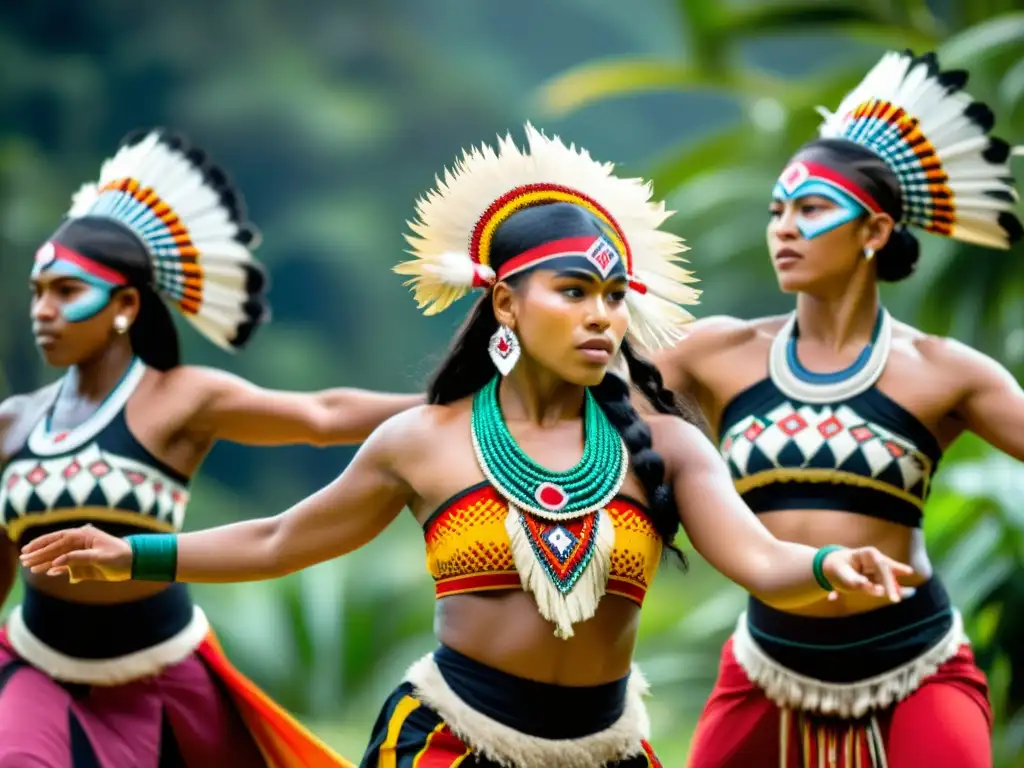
<point x="818" y="566"/>
<point x="154" y="556"/>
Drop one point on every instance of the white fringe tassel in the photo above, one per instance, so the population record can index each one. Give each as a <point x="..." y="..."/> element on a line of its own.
<point x="580" y="604"/>
<point x="791" y="690"/>
<point x="512" y="749"/>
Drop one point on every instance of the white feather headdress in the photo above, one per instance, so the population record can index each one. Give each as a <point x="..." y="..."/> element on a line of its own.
<point x="192" y="222"/>
<point x="455" y="221"/>
<point x="954" y="178"/>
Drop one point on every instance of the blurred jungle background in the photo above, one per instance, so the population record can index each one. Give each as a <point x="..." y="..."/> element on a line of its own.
<point x="333" y="116"/>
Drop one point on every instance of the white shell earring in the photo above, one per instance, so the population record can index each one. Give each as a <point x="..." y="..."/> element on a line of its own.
<point x="504" y="349"/>
<point x="869" y="253"/>
<point x="121" y="325"/>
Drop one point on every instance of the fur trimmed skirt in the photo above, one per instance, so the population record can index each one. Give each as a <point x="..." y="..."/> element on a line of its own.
<point x="453" y="711"/>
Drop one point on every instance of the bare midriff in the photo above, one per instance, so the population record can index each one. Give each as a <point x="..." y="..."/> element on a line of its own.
<point x="821" y="527"/>
<point x="505" y="631"/>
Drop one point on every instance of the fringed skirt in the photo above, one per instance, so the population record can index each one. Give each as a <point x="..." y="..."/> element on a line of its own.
<point x="135" y="685"/>
<point x="454" y="711"/>
<point x="892" y="688"/>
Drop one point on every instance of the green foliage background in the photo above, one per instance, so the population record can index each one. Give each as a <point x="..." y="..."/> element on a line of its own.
<point x="334" y="116"/>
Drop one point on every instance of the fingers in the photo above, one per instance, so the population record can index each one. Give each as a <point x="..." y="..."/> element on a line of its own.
<point x="42" y="541"/>
<point x="42" y="558"/>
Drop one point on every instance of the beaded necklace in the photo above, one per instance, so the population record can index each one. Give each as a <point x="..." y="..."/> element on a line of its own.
<point x="560" y="533"/>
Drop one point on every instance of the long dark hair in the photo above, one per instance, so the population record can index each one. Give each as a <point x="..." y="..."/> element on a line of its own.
<point x="467" y="368"/>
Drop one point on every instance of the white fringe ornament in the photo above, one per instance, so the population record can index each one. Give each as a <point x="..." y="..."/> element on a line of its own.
<point x="510" y="748"/>
<point x="791" y="690"/>
<point x="563" y="609"/>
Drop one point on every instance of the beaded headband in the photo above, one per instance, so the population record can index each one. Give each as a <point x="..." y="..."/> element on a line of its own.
<point x="455" y="224"/>
<point x="954" y="178"/>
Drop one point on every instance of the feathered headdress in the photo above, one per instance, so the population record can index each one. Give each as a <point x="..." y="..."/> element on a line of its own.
<point x="192" y="222"/>
<point x="954" y="178"/>
<point x="455" y="222"/>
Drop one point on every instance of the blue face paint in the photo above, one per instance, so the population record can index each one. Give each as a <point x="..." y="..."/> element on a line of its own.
<point x="796" y="182"/>
<point x="89" y="302"/>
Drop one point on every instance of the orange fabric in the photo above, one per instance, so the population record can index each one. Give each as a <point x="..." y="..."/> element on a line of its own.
<point x="468" y="548"/>
<point x="284" y="741"/>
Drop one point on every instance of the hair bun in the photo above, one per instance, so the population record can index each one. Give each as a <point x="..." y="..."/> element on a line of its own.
<point x="898" y="257"/>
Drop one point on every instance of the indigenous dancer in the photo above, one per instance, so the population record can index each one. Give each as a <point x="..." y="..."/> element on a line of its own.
<point x="833" y="420"/>
<point x="545" y="499"/>
<point x="129" y="675"/>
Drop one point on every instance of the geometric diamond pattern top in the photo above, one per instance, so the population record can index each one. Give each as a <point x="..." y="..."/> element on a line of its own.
<point x="866" y="454"/>
<point x="96" y="472"/>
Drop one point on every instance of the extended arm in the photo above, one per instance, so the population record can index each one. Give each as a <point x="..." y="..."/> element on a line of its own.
<point x="730" y="537"/>
<point x="993" y="403"/>
<point x="231" y="408"/>
<point x="337" y="519"/>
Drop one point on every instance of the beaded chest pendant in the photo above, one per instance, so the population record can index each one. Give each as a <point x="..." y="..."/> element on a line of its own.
<point x="561" y="535"/>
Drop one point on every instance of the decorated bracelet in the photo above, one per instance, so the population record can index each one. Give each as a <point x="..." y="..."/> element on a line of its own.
<point x="818" y="566"/>
<point x="154" y="556"/>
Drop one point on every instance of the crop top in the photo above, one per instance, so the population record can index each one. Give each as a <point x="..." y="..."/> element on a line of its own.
<point x="468" y="548"/>
<point x="97" y="472"/>
<point x="801" y="440"/>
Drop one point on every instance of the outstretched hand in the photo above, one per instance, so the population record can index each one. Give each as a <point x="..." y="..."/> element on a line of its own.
<point x="84" y="554"/>
<point x="865" y="570"/>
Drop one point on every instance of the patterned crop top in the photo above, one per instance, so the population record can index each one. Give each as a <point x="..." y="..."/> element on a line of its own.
<point x="801" y="440"/>
<point x="97" y="472"/>
<point x="468" y="548"/>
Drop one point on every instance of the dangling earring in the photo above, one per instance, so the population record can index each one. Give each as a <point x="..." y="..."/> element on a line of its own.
<point x="120" y="325"/>
<point x="504" y="349"/>
<point x="869" y="253"/>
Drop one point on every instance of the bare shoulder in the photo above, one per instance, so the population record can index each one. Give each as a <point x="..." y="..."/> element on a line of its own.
<point x="950" y="357"/>
<point x="417" y="432"/>
<point x="680" y="443"/>
<point x="721" y="333"/>
<point x="198" y="381"/>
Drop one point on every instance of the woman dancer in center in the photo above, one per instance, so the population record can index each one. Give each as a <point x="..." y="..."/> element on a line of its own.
<point x="832" y="421"/>
<point x="545" y="499"/>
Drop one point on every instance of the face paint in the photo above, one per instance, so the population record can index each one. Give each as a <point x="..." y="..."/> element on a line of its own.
<point x="100" y="281"/>
<point x="807" y="179"/>
<point x="587" y="253"/>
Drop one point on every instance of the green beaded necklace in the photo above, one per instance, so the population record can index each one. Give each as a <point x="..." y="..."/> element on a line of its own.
<point x="585" y="488"/>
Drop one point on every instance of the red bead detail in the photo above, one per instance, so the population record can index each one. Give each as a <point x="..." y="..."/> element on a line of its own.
<point x="13" y="480"/>
<point x="37" y="475"/>
<point x="753" y="431"/>
<point x="550" y="496"/>
<point x="830" y="427"/>
<point x="862" y="434"/>
<point x="99" y="468"/>
<point x="793" y="424"/>
<point x="896" y="450"/>
<point x="135" y="478"/>
<point x="72" y="469"/>
<point x="60" y="438"/>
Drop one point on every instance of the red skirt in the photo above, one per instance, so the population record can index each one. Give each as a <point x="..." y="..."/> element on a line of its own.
<point x="945" y="723"/>
<point x="199" y="712"/>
